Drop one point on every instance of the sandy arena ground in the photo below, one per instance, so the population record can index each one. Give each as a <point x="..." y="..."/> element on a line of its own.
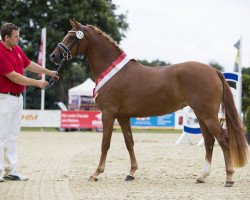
<point x="60" y="164"/>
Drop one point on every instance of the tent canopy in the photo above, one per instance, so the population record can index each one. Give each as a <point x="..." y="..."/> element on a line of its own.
<point x="85" y="89"/>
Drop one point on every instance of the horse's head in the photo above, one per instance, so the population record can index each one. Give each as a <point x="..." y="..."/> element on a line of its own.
<point x="72" y="45"/>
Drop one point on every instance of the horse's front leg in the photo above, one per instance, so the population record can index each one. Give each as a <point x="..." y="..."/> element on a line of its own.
<point x="108" y="122"/>
<point x="127" y="133"/>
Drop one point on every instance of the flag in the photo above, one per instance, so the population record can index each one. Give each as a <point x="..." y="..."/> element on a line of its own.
<point x="42" y="50"/>
<point x="237" y="45"/>
<point x="237" y="59"/>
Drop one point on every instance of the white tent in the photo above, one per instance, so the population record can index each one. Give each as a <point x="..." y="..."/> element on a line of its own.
<point x="85" y="89"/>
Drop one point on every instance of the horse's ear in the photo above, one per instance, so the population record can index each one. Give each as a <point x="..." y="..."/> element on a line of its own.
<point x="72" y="22"/>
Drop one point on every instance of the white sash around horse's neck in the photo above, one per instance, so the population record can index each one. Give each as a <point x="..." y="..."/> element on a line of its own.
<point x="115" y="66"/>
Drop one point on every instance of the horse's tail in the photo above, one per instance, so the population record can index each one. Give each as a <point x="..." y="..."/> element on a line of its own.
<point x="237" y="141"/>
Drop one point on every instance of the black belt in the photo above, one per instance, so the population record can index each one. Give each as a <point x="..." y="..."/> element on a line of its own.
<point x="11" y="93"/>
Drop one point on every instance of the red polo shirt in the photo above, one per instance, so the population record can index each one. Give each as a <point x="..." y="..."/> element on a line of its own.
<point x="10" y="61"/>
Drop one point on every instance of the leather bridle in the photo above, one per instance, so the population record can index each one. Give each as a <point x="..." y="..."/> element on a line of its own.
<point x="66" y="54"/>
<point x="66" y="50"/>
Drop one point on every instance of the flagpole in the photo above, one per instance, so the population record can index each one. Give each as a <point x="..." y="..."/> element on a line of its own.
<point x="43" y="65"/>
<point x="240" y="75"/>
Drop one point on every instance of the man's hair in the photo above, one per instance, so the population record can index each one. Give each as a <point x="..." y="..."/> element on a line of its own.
<point x="6" y="29"/>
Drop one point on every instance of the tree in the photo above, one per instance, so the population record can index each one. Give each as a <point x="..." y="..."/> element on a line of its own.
<point x="154" y="63"/>
<point x="245" y="89"/>
<point x="246" y="70"/>
<point x="216" y="65"/>
<point x="32" y="15"/>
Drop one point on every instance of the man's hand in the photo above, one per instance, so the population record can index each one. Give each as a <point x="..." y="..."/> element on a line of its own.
<point x="53" y="74"/>
<point x="41" y="84"/>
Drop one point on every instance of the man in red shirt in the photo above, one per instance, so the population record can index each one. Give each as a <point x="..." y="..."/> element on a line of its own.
<point x="13" y="61"/>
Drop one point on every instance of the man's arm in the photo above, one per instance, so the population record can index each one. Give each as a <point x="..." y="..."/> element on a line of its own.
<point x="34" y="67"/>
<point x="22" y="80"/>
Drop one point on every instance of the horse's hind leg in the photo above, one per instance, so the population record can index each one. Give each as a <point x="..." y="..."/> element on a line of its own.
<point x="108" y="122"/>
<point x="209" y="145"/>
<point x="128" y="137"/>
<point x="222" y="137"/>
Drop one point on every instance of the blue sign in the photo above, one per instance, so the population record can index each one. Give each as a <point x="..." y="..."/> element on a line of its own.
<point x="167" y="120"/>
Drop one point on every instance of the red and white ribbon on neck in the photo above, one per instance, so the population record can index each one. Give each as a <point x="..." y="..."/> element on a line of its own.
<point x="115" y="66"/>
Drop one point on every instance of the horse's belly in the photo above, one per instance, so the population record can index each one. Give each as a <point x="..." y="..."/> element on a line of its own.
<point x="151" y="106"/>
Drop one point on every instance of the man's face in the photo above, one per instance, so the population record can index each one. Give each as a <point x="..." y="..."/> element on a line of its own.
<point x="13" y="39"/>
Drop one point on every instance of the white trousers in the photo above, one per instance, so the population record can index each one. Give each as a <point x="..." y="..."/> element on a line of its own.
<point x="10" y="121"/>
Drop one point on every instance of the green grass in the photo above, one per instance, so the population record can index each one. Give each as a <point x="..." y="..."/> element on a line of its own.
<point x="39" y="129"/>
<point x="134" y="130"/>
<point x="150" y="130"/>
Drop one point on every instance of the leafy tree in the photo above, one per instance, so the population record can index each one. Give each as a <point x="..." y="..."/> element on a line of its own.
<point x="216" y="65"/>
<point x="245" y="89"/>
<point x="154" y="63"/>
<point x="32" y="15"/>
<point x="246" y="70"/>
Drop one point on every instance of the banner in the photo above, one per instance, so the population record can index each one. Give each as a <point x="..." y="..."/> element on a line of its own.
<point x="81" y="119"/>
<point x="38" y="118"/>
<point x="164" y="121"/>
<point x="92" y="119"/>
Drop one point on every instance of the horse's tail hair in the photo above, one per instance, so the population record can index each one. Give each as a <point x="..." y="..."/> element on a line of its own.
<point x="237" y="140"/>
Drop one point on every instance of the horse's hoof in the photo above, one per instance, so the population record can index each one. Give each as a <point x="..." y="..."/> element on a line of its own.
<point x="93" y="178"/>
<point x="200" y="180"/>
<point x="129" y="178"/>
<point x="229" y="183"/>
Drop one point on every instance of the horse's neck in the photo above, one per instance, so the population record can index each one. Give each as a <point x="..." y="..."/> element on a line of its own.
<point x="101" y="53"/>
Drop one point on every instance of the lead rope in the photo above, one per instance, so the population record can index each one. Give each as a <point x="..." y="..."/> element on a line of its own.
<point x="51" y="80"/>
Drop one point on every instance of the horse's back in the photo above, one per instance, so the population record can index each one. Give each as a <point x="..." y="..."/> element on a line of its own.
<point x="191" y="83"/>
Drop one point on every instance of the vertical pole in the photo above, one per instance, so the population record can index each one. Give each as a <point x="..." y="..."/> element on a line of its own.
<point x="24" y="94"/>
<point x="240" y="78"/>
<point x="43" y="65"/>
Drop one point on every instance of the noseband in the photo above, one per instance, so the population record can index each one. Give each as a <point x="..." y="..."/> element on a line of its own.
<point x="66" y="50"/>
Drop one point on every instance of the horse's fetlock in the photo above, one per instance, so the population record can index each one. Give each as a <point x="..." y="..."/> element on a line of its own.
<point x="230" y="171"/>
<point x="134" y="167"/>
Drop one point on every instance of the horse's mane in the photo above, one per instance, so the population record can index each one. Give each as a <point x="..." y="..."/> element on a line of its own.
<point x="105" y="35"/>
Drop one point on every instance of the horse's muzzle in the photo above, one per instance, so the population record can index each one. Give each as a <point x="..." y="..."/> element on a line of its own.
<point x="55" y="59"/>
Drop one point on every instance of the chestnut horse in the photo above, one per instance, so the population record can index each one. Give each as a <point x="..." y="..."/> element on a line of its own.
<point x="126" y="88"/>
